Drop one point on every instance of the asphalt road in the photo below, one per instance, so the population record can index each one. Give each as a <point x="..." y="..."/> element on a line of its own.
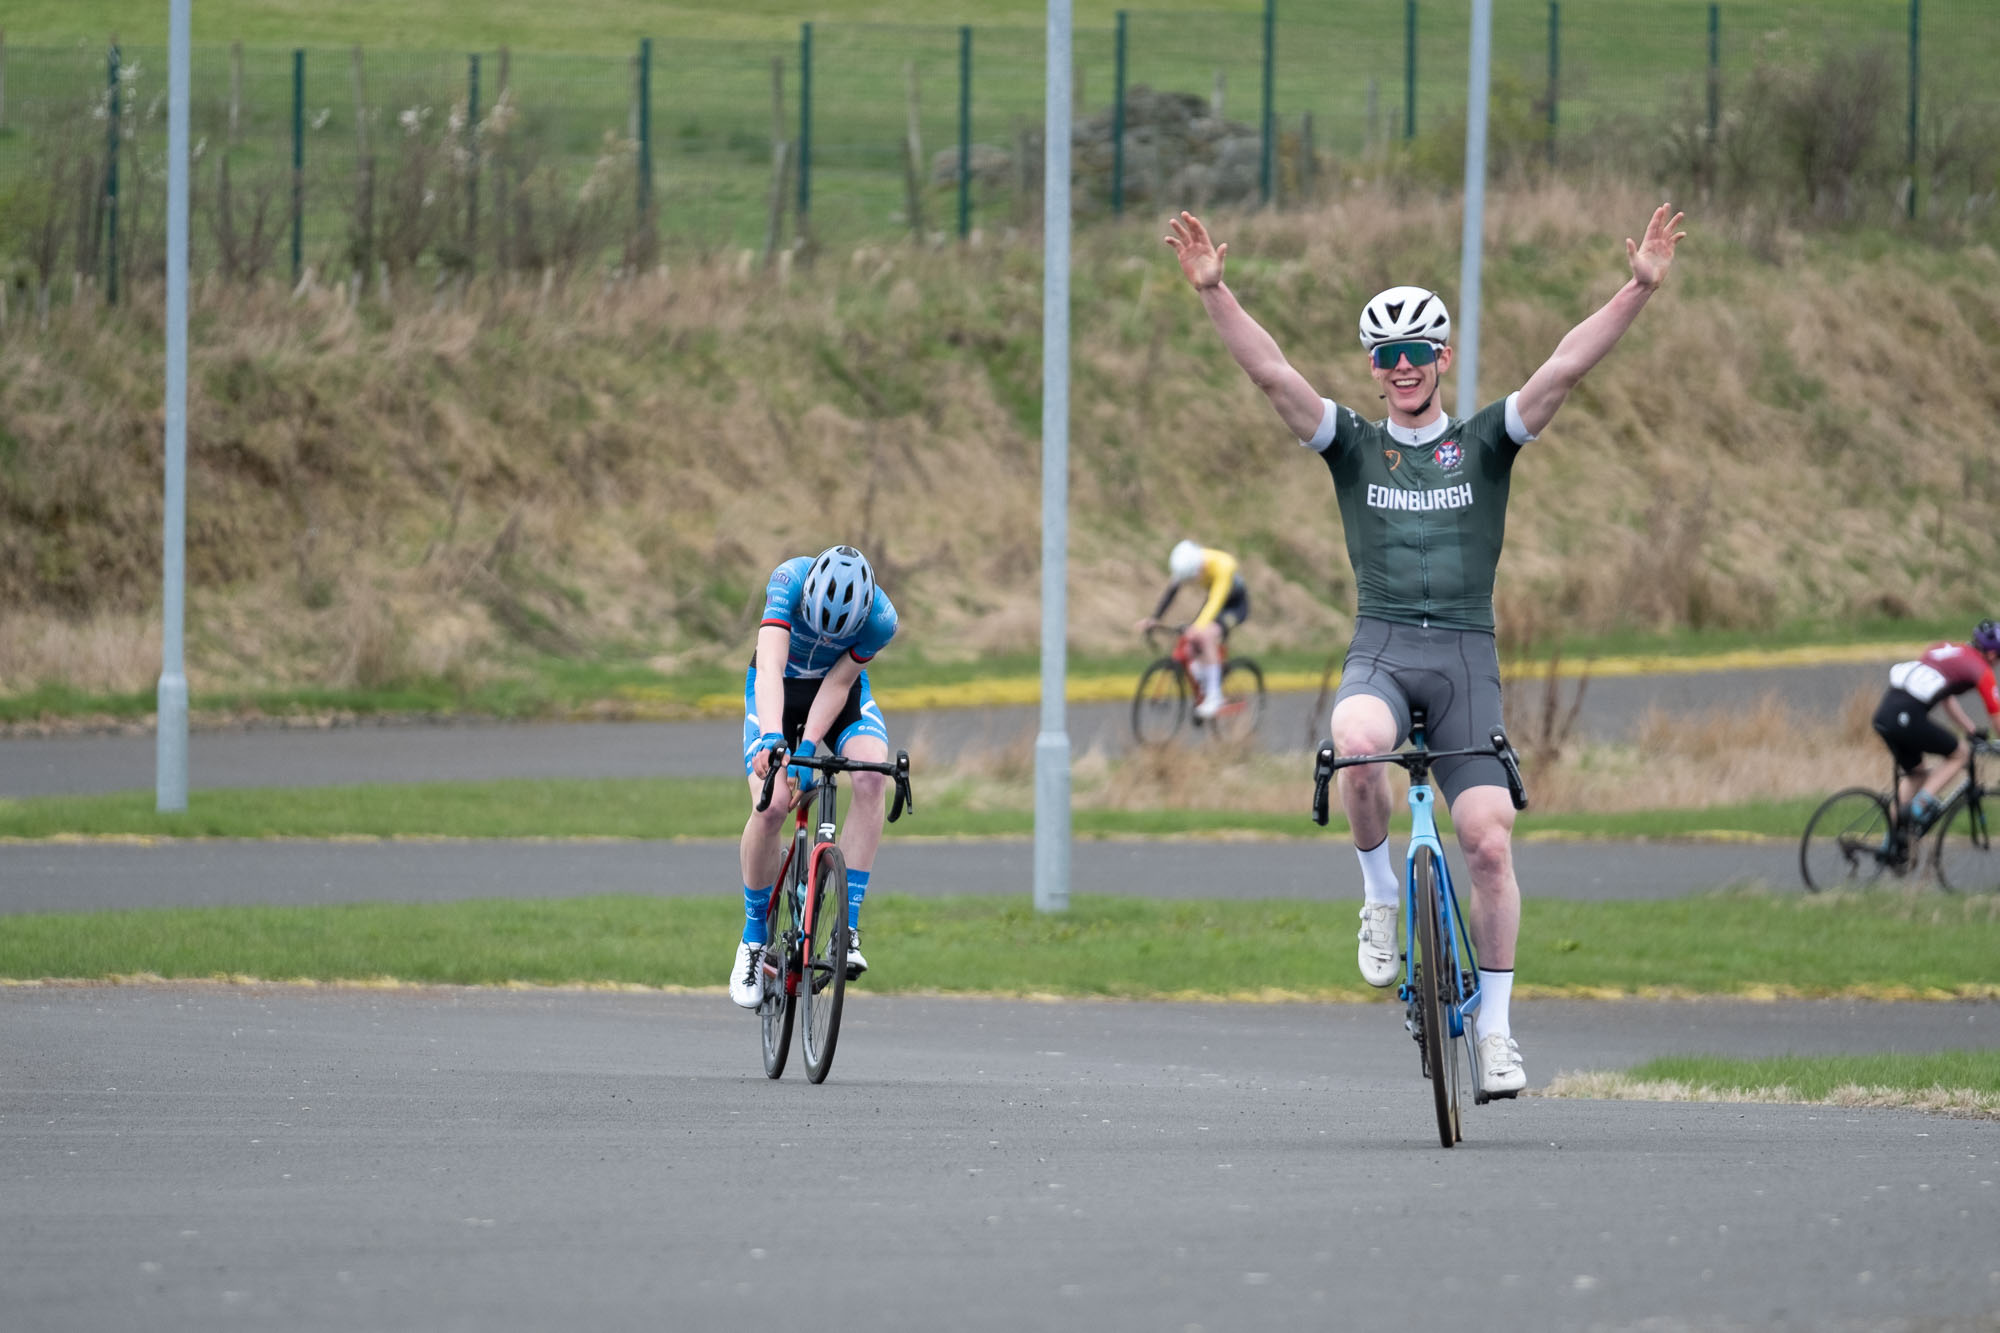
<point x="212" y="1158"/>
<point x="33" y="766"/>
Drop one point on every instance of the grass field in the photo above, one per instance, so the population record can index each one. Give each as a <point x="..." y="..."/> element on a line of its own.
<point x="1880" y="946"/>
<point x="1965" y="1083"/>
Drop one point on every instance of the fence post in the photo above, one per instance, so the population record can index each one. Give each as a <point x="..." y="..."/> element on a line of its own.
<point x="363" y="247"/>
<point x="235" y="93"/>
<point x="774" y="224"/>
<point x="805" y="125"/>
<point x="1118" y="121"/>
<point x="298" y="164"/>
<point x="1714" y="73"/>
<point x="472" y="159"/>
<point x="1555" y="71"/>
<point x="1409" y="70"/>
<point x="964" y="131"/>
<point x="1916" y="24"/>
<point x="1267" y="129"/>
<point x="111" y="177"/>
<point x="645" y="127"/>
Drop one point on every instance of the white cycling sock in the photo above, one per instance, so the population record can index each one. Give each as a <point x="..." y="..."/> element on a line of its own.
<point x="1496" y="990"/>
<point x="1378" y="875"/>
<point x="1211" y="678"/>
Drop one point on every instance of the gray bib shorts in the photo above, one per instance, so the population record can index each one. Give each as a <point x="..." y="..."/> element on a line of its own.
<point x="1454" y="675"/>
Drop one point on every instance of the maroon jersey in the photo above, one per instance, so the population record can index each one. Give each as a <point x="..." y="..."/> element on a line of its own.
<point x="1946" y="669"/>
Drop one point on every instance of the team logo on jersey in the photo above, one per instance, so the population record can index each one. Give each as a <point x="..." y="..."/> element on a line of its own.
<point x="1448" y="455"/>
<point x="1395" y="457"/>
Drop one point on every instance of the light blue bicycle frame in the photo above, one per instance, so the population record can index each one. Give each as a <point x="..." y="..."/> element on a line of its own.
<point x="1452" y="933"/>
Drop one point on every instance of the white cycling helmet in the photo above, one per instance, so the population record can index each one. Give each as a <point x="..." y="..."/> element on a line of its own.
<point x="1184" y="561"/>
<point x="1404" y="314"/>
<point x="839" y="593"/>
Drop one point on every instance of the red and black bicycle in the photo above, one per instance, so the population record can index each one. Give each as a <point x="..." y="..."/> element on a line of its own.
<point x="805" y="965"/>
<point x="1169" y="695"/>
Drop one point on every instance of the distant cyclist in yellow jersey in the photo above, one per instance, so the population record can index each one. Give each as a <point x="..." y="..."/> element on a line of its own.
<point x="1227" y="605"/>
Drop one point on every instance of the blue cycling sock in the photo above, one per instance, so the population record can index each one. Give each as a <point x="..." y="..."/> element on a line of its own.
<point x="756" y="914"/>
<point x="857" y="889"/>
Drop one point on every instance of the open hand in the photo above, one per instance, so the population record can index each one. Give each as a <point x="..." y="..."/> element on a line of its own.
<point x="1652" y="257"/>
<point x="1201" y="259"/>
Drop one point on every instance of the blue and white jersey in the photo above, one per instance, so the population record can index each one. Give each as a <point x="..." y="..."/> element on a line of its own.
<point x="813" y="655"/>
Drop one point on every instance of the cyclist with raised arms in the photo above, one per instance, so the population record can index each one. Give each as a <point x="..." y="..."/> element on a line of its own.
<point x="1225" y="605"/>
<point x="824" y="621"/>
<point x="1423" y="501"/>
<point x="1903" y="718"/>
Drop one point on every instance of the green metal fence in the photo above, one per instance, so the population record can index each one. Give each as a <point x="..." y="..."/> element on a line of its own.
<point x="371" y="165"/>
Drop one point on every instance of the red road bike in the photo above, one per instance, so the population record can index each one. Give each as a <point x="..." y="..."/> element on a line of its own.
<point x="1168" y="691"/>
<point x="805" y="965"/>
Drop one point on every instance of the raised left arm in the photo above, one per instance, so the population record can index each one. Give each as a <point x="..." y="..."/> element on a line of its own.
<point x="1586" y="344"/>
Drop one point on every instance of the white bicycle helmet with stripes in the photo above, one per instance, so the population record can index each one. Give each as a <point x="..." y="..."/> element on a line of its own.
<point x="839" y="593"/>
<point x="1405" y="314"/>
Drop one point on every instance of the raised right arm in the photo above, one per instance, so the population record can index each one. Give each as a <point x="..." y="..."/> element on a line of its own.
<point x="1297" y="403"/>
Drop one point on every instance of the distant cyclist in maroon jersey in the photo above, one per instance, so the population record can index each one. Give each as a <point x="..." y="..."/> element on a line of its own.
<point x="1903" y="718"/>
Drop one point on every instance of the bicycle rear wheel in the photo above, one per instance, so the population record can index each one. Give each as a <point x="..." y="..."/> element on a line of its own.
<point x="1963" y="854"/>
<point x="1160" y="704"/>
<point x="1437" y="982"/>
<point x="1242" y="701"/>
<point x="823" y="984"/>
<point x="775" y="1010"/>
<point x="1847" y="842"/>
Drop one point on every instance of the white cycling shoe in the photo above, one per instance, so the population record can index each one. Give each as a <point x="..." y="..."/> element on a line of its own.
<point x="1209" y="707"/>
<point x="1500" y="1072"/>
<point x="746" y="982"/>
<point x="1377" y="953"/>
<point x="856" y="964"/>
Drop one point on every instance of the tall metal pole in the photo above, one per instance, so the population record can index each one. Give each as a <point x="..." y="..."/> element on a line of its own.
<point x="1475" y="207"/>
<point x="170" y="756"/>
<point x="1052" y="745"/>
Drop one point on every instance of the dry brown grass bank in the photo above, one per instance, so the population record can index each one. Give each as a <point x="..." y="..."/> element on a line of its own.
<point x="1799" y="427"/>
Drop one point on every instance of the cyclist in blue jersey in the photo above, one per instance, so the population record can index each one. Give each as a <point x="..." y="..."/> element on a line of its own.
<point x="1423" y="499"/>
<point x="824" y="621"/>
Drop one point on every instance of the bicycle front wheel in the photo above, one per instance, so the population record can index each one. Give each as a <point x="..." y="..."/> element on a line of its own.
<point x="775" y="1010"/>
<point x="1160" y="705"/>
<point x="823" y="986"/>
<point x="1848" y="841"/>
<point x="1963" y="854"/>
<point x="1436" y="979"/>
<point x="1242" y="701"/>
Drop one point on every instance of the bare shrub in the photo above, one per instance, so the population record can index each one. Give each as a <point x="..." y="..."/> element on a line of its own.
<point x="1831" y="119"/>
<point x="374" y="641"/>
<point x="245" y="240"/>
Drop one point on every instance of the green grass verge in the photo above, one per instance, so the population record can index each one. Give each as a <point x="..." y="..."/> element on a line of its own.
<point x="716" y="807"/>
<point x="1139" y="948"/>
<point x="1815" y="1078"/>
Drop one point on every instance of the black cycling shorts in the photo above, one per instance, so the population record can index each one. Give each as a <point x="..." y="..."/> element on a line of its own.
<point x="1905" y="726"/>
<point x="1235" y="608"/>
<point x="1453" y="675"/>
